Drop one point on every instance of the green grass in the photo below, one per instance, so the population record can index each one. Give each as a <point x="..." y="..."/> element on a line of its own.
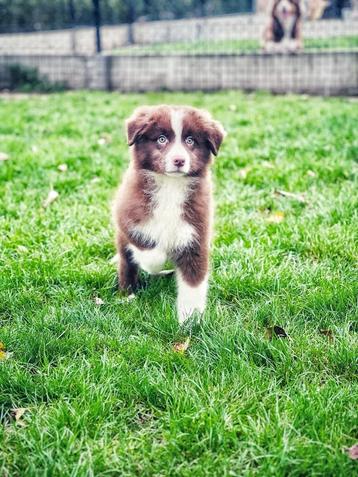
<point x="233" y="46"/>
<point x="105" y="393"/>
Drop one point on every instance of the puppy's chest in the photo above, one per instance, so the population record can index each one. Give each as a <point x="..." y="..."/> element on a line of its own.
<point x="166" y="226"/>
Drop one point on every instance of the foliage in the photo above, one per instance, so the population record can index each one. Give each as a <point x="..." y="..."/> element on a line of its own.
<point x="96" y="384"/>
<point x="26" y="79"/>
<point x="28" y="15"/>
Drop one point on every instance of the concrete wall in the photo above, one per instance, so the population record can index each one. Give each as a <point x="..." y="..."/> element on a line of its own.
<point x="81" y="41"/>
<point x="326" y="73"/>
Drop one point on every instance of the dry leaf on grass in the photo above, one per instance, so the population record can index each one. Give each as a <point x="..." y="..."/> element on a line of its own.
<point x="182" y="347"/>
<point x="98" y="301"/>
<point x="4" y="156"/>
<point x="127" y="299"/>
<point x="4" y="355"/>
<point x="267" y="165"/>
<point x="52" y="196"/>
<point x="328" y="333"/>
<point x="244" y="171"/>
<point x="353" y="452"/>
<point x="22" y="249"/>
<point x="275" y="332"/>
<point x="63" y="168"/>
<point x="104" y="139"/>
<point x="275" y="217"/>
<point x="291" y="195"/>
<point x="18" y="413"/>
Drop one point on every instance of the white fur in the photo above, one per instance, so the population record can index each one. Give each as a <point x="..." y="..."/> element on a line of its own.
<point x="166" y="226"/>
<point x="190" y="299"/>
<point x="177" y="150"/>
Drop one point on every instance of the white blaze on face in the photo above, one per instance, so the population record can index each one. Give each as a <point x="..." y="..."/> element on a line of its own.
<point x="287" y="16"/>
<point x="177" y="152"/>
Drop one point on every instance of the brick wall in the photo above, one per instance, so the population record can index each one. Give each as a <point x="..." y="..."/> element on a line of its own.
<point x="326" y="73"/>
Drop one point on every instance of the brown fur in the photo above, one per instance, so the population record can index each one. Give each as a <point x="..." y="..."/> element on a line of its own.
<point x="134" y="204"/>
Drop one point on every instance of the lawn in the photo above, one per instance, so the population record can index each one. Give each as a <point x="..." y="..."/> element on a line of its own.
<point x="103" y="388"/>
<point x="234" y="46"/>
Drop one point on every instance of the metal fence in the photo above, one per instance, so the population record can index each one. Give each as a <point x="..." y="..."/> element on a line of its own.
<point x="280" y="46"/>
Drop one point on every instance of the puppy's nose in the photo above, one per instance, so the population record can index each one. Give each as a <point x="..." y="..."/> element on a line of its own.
<point x="178" y="162"/>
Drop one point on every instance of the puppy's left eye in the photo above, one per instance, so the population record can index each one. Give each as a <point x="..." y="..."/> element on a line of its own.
<point x="189" y="141"/>
<point x="162" y="139"/>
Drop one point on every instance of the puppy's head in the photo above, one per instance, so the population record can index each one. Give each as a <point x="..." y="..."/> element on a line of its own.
<point x="285" y="9"/>
<point x="173" y="140"/>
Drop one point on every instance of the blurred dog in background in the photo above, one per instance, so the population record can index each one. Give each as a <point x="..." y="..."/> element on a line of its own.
<point x="283" y="32"/>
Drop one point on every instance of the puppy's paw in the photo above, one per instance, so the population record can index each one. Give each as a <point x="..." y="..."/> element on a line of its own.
<point x="187" y="311"/>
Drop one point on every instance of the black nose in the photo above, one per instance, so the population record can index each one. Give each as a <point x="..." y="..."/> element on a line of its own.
<point x="179" y="162"/>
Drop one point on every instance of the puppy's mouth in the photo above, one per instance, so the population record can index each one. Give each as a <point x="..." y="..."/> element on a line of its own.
<point x="177" y="173"/>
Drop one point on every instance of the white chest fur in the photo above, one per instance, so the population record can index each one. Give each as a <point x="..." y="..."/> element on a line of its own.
<point x="166" y="227"/>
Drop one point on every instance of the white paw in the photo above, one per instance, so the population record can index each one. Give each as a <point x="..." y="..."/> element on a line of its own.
<point x="185" y="311"/>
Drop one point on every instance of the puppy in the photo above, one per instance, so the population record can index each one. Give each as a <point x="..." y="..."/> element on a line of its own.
<point x="163" y="209"/>
<point x="284" y="30"/>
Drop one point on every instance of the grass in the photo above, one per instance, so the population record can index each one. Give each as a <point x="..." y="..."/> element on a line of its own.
<point x="233" y="46"/>
<point x="105" y="393"/>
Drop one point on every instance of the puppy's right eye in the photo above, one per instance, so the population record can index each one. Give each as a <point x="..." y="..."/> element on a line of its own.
<point x="162" y="139"/>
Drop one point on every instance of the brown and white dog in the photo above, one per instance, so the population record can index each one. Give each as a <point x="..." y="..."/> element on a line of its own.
<point x="283" y="32"/>
<point x="163" y="208"/>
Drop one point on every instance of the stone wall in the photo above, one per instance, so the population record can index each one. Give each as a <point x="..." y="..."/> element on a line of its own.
<point x="325" y="73"/>
<point x="81" y="41"/>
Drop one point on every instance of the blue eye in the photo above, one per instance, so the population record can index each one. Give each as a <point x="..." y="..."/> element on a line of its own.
<point x="162" y="139"/>
<point x="189" y="141"/>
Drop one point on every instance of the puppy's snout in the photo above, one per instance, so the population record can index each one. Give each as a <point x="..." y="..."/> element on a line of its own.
<point x="178" y="162"/>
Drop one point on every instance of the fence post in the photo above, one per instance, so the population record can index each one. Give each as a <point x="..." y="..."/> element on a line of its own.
<point x="97" y="23"/>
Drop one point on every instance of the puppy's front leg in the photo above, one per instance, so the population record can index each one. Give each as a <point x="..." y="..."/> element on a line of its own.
<point x="192" y="282"/>
<point x="127" y="268"/>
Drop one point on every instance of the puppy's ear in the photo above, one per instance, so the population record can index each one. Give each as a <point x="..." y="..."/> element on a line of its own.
<point x="137" y="124"/>
<point x="216" y="134"/>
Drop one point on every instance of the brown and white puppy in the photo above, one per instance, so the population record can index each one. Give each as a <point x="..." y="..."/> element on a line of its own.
<point x="163" y="207"/>
<point x="283" y="32"/>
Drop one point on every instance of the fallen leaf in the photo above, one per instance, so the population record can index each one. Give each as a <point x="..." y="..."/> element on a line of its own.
<point x="19" y="412"/>
<point x="244" y="171"/>
<point x="62" y="167"/>
<point x="98" y="301"/>
<point x="275" y="332"/>
<point x="267" y="165"/>
<point x="4" y="355"/>
<point x="291" y="195"/>
<point x="104" y="139"/>
<point x="311" y="173"/>
<point x="4" y="156"/>
<point x="52" y="196"/>
<point x="2" y="351"/>
<point x="353" y="452"/>
<point x="182" y="347"/>
<point x="328" y="333"/>
<point x="275" y="217"/>
<point x="22" y="249"/>
<point x="127" y="298"/>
